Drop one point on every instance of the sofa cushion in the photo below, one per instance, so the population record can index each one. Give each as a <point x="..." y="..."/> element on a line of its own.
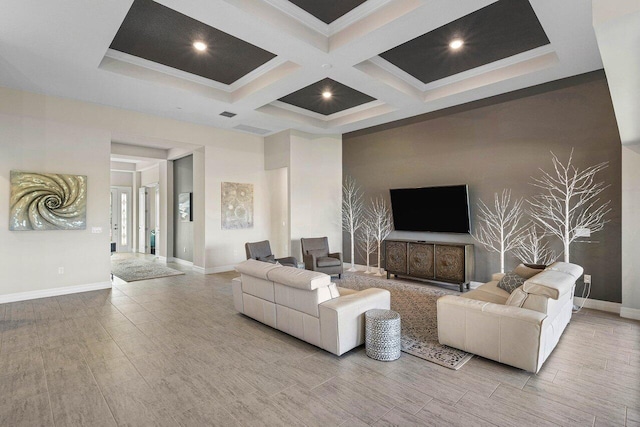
<point x="489" y="292"/>
<point x="517" y="297"/>
<point x="255" y="268"/>
<point x="326" y="261"/>
<point x="527" y="272"/>
<point x="318" y="253"/>
<point x="550" y="283"/>
<point x="298" y="278"/>
<point x="511" y="281"/>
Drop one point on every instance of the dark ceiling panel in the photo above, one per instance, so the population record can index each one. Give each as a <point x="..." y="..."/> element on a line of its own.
<point x="327" y="10"/>
<point x="343" y="97"/>
<point x="495" y="32"/>
<point x="159" y="34"/>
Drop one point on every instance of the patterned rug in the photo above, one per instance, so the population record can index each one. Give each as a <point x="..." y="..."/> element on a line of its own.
<point x="132" y="269"/>
<point x="416" y="304"/>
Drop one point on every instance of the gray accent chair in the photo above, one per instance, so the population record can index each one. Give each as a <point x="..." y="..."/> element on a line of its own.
<point x="261" y="251"/>
<point x="316" y="255"/>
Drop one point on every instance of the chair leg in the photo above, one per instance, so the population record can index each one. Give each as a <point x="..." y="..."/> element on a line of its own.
<point x="339" y="276"/>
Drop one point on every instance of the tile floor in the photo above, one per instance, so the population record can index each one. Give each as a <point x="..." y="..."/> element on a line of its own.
<point x="173" y="351"/>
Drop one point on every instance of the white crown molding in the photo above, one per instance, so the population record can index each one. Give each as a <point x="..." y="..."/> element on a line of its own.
<point x="24" y="296"/>
<point x="456" y="78"/>
<point x="154" y="66"/>
<point x="336" y="26"/>
<point x="339" y="114"/>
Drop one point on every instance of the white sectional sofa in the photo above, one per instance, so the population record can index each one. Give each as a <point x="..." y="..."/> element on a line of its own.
<point x="305" y="304"/>
<point x="520" y="329"/>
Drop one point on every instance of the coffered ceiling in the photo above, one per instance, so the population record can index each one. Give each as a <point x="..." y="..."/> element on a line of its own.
<point x="270" y="61"/>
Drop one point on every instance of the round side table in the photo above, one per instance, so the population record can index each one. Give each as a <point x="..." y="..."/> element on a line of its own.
<point x="382" y="334"/>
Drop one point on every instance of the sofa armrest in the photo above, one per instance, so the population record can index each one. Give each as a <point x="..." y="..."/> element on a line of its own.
<point x="309" y="261"/>
<point x="507" y="334"/>
<point x="342" y="318"/>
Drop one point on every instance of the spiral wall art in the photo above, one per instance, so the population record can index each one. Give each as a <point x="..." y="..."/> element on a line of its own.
<point x="237" y="205"/>
<point x="44" y="201"/>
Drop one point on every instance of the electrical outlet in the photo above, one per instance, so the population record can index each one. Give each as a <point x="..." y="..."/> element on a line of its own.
<point x="60" y="270"/>
<point x="587" y="279"/>
<point x="184" y="250"/>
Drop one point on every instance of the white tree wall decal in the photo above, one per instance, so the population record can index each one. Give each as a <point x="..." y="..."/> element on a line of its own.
<point x="352" y="210"/>
<point x="569" y="201"/>
<point x="533" y="249"/>
<point x="499" y="229"/>
<point x="382" y="222"/>
<point x="367" y="241"/>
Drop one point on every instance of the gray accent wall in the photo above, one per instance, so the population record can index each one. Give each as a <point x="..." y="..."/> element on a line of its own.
<point x="182" y="231"/>
<point x="498" y="143"/>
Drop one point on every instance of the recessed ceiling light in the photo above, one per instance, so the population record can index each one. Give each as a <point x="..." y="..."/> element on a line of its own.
<point x="326" y="94"/>
<point x="200" y="46"/>
<point x="456" y="44"/>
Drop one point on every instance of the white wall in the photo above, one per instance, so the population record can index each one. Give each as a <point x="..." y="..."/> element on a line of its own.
<point x="44" y="133"/>
<point x="150" y="176"/>
<point x="121" y="179"/>
<point x="630" y="232"/>
<point x="617" y="27"/>
<point x="315" y="179"/>
<point x="279" y="231"/>
<point x="29" y="260"/>
<point x="239" y="160"/>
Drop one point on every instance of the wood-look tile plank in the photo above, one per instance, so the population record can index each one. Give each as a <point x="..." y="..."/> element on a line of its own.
<point x="135" y="403"/>
<point x="365" y="406"/>
<point x="633" y="417"/>
<point x="437" y="413"/>
<point x="255" y="409"/>
<point x="583" y="400"/>
<point x="499" y="413"/>
<point x="208" y="414"/>
<point x="27" y="412"/>
<point x="302" y="404"/>
<point x="610" y="391"/>
<point x="81" y="408"/>
<point x="21" y="385"/>
<point x="110" y="372"/>
<point x="397" y="417"/>
<point x="541" y="407"/>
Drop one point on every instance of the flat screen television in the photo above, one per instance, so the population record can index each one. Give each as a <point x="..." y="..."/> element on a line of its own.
<point x="435" y="209"/>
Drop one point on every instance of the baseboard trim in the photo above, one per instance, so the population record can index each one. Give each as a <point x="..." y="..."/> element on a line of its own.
<point x="347" y="265"/>
<point x="200" y="270"/>
<point x="45" y="293"/>
<point x="162" y="258"/>
<point x="221" y="269"/>
<point x="630" y="313"/>
<point x="596" y="304"/>
<point x="182" y="262"/>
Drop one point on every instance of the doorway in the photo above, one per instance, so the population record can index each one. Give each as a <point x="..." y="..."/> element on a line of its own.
<point x="148" y="218"/>
<point x="120" y="208"/>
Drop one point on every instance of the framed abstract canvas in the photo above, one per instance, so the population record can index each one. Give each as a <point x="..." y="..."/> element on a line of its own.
<point x="46" y="201"/>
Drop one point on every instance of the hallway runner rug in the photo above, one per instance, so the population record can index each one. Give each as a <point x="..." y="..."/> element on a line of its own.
<point x="416" y="304"/>
<point x="132" y="269"/>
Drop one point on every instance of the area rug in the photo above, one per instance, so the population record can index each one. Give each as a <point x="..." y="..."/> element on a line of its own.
<point x="132" y="269"/>
<point x="416" y="305"/>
